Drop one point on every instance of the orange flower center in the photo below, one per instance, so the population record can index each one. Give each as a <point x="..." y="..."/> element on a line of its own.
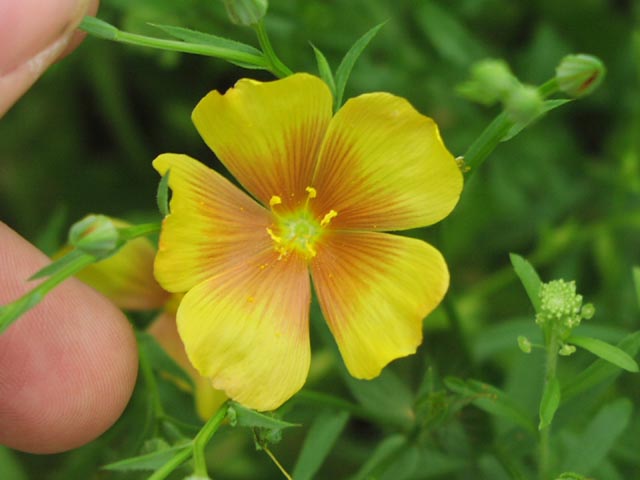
<point x="298" y="231"/>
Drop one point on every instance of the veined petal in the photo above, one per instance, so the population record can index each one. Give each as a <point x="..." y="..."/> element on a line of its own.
<point x="247" y="329"/>
<point x="383" y="166"/>
<point x="268" y="134"/>
<point x="212" y="224"/>
<point x="374" y="290"/>
<point x="207" y="398"/>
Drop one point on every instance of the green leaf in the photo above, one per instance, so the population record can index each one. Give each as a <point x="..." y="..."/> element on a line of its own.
<point x="149" y="461"/>
<point x="201" y="38"/>
<point x="324" y="69"/>
<point x="588" y="450"/>
<point x="384" y="453"/>
<point x="162" y="197"/>
<point x="386" y="396"/>
<point x="160" y="359"/>
<point x="547" y="106"/>
<point x="11" y="466"/>
<point x="245" y="417"/>
<point x="323" y="433"/>
<point x="600" y="370"/>
<point x="346" y="65"/>
<point x="636" y="281"/>
<point x="529" y="278"/>
<point x="549" y="403"/>
<point x="58" y="265"/>
<point x="490" y="399"/>
<point x="606" y="351"/>
<point x="99" y="28"/>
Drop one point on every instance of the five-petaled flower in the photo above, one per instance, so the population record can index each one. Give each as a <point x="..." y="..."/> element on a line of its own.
<point x="325" y="189"/>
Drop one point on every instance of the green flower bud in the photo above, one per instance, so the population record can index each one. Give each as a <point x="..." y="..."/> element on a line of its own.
<point x="524" y="104"/>
<point x="96" y="235"/>
<point x="491" y="81"/>
<point x="524" y="344"/>
<point x="588" y="311"/>
<point x="579" y="75"/>
<point x="566" y="350"/>
<point x="246" y="12"/>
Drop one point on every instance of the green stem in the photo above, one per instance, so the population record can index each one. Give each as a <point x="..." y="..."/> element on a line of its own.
<point x="106" y="31"/>
<point x="203" y="438"/>
<point x="550" y="373"/>
<point x="11" y="312"/>
<point x="129" y="233"/>
<point x="489" y="139"/>
<point x="275" y="65"/>
<point x="168" y="468"/>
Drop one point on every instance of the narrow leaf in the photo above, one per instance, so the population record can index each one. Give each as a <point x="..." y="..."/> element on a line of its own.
<point x="600" y="370"/>
<point x="58" y="265"/>
<point x="99" y="28"/>
<point x="382" y="455"/>
<point x="490" y="399"/>
<point x="606" y="351"/>
<point x="529" y="278"/>
<point x="324" y="69"/>
<point x="549" y="403"/>
<point x="346" y="65"/>
<point x="201" y="38"/>
<point x="547" y="106"/>
<point x="149" y="461"/>
<point x="324" y="432"/>
<point x="599" y="436"/>
<point x="162" y="196"/>
<point x="245" y="417"/>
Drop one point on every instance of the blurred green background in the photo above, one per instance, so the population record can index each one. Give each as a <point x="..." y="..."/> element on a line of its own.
<point x="565" y="193"/>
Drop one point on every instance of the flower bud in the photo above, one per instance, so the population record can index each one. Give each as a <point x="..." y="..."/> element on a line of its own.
<point x="524" y="344"/>
<point x="588" y="311"/>
<point x="96" y="235"/>
<point x="579" y="75"/>
<point x="566" y="350"/>
<point x="246" y="12"/>
<point x="491" y="81"/>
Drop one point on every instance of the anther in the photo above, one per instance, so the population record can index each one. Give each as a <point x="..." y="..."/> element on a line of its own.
<point x="275" y="200"/>
<point x="327" y="218"/>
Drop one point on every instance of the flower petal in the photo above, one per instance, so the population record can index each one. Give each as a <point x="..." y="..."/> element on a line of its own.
<point x="247" y="329"/>
<point x="212" y="224"/>
<point x="383" y="166"/>
<point x="374" y="290"/>
<point x="268" y="134"/>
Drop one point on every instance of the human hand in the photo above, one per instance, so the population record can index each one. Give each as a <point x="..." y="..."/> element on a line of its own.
<point x="68" y="366"/>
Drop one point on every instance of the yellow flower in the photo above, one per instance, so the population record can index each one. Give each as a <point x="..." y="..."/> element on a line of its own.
<point x="325" y="189"/>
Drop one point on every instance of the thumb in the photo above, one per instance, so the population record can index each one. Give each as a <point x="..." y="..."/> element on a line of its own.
<point x="33" y="34"/>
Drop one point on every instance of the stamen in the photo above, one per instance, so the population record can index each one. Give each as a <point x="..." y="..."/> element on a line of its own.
<point x="327" y="218"/>
<point x="275" y="200"/>
<point x="312" y="192"/>
<point x="274" y="237"/>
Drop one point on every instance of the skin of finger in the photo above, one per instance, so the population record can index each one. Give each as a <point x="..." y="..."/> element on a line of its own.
<point x="28" y="26"/>
<point x="37" y="41"/>
<point x="67" y="367"/>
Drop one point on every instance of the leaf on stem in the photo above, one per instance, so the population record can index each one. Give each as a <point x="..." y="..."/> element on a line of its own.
<point x="346" y="65"/>
<point x="549" y="403"/>
<point x="201" y="38"/>
<point x="324" y="69"/>
<point x="245" y="417"/>
<point x="547" y="106"/>
<point x="606" y="351"/>
<point x="490" y="399"/>
<point x="149" y="461"/>
<point x="529" y="278"/>
<point x="162" y="196"/>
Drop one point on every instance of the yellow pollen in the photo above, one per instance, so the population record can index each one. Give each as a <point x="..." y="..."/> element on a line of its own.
<point x="327" y="218"/>
<point x="275" y="200"/>
<point x="274" y="237"/>
<point x="312" y="192"/>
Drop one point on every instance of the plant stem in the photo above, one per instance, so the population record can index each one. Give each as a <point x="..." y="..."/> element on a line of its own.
<point x="275" y="65"/>
<point x="491" y="136"/>
<point x="178" y="459"/>
<point x="202" y="439"/>
<point x="550" y="373"/>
